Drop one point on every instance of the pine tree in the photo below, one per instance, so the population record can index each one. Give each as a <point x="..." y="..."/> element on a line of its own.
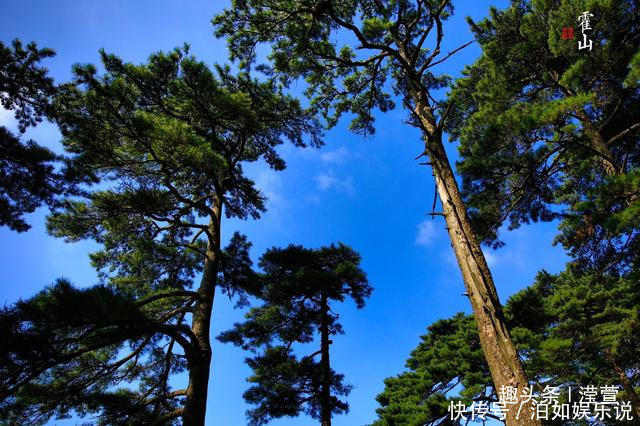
<point x="387" y="49"/>
<point x="163" y="143"/>
<point x="299" y="289"/>
<point x="592" y="340"/>
<point x="551" y="131"/>
<point x="571" y="329"/>
<point x="449" y="356"/>
<point x="27" y="170"/>
<point x="548" y="130"/>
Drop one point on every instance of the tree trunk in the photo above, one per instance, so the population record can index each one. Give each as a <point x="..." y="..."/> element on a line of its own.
<point x="627" y="386"/>
<point x="598" y="145"/>
<point x="605" y="157"/>
<point x="499" y="350"/>
<point x="325" y="391"/>
<point x="200" y="363"/>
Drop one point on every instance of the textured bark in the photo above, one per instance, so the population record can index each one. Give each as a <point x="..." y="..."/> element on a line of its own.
<point x="200" y="362"/>
<point x="605" y="156"/>
<point x="325" y="392"/>
<point x="500" y="352"/>
<point x="627" y="386"/>
<point x="599" y="145"/>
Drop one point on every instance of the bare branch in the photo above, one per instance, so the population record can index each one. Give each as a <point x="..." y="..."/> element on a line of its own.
<point x="450" y="54"/>
<point x="175" y="293"/>
<point x="170" y="415"/>
<point x="623" y="133"/>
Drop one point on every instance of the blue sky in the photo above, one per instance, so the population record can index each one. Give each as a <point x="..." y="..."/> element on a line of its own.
<point x="370" y="194"/>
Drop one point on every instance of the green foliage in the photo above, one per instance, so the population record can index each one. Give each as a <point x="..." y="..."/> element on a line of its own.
<point x="25" y="87"/>
<point x="542" y="123"/>
<point x="237" y="277"/>
<point x="603" y="227"/>
<point x="27" y="172"/>
<point x="166" y="139"/>
<point x="27" y="180"/>
<point x="284" y="386"/>
<point x="297" y="287"/>
<point x="173" y="116"/>
<point x="160" y="147"/>
<point x="633" y="78"/>
<point x="571" y="329"/>
<point x="598" y="315"/>
<point x="71" y="339"/>
<point x="353" y="55"/>
<point x="448" y="357"/>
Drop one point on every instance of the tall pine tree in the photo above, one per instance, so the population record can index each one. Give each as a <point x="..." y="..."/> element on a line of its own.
<point x="399" y="41"/>
<point x="300" y="288"/>
<point x="548" y="131"/>
<point x="164" y="144"/>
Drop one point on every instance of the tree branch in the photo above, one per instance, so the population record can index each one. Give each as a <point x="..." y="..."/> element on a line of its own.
<point x="176" y="293"/>
<point x="623" y="133"/>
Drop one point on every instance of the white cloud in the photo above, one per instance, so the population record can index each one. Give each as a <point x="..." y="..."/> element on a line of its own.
<point x="327" y="181"/>
<point x="269" y="183"/>
<point x="335" y="156"/>
<point x="516" y="256"/>
<point x="491" y="257"/>
<point x="427" y="233"/>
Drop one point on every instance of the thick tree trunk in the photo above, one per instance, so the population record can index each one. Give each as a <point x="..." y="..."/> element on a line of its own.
<point x="499" y="350"/>
<point x="627" y="386"/>
<point x="200" y="363"/>
<point x="325" y="396"/>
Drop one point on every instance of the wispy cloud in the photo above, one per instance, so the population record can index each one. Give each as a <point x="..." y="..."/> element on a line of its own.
<point x="514" y="257"/>
<point x="269" y="183"/>
<point x="335" y="156"/>
<point x="313" y="199"/>
<point x="427" y="233"/>
<point x="491" y="257"/>
<point x="327" y="181"/>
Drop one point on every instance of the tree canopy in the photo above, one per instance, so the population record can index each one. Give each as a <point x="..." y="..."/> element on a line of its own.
<point x="163" y="144"/>
<point x="355" y="56"/>
<point x="449" y="356"/>
<point x="27" y="170"/>
<point x="547" y="130"/>
<point x="299" y="290"/>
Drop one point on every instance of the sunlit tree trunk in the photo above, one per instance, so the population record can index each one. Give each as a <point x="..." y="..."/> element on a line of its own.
<point x="500" y="352"/>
